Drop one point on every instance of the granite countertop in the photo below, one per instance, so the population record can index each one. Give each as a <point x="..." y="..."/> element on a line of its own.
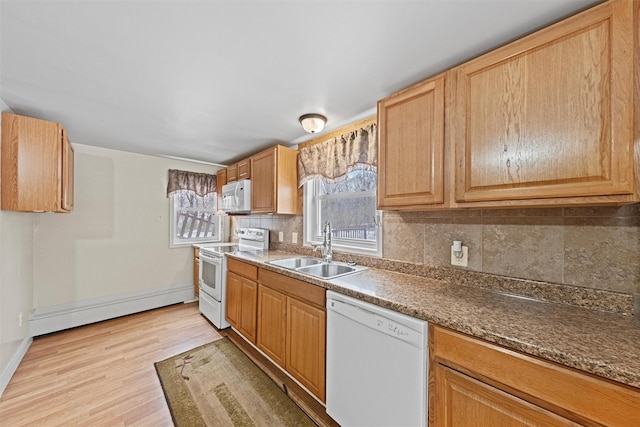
<point x="601" y="343"/>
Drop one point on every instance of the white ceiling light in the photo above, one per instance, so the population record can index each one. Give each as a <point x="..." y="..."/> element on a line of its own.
<point x="312" y="123"/>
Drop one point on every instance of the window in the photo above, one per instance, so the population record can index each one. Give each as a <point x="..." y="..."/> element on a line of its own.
<point x="192" y="208"/>
<point x="350" y="205"/>
<point x="193" y="219"/>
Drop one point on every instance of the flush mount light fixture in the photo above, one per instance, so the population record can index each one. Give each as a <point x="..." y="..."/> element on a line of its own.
<point x="312" y="123"/>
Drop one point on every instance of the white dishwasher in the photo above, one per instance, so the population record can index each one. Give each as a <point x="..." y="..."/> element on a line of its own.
<point x="377" y="365"/>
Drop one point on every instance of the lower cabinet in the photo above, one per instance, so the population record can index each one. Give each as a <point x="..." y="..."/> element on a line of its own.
<point x="292" y="328"/>
<point x="467" y="401"/>
<point x="306" y="339"/>
<point x="272" y="318"/>
<point x="242" y="297"/>
<point x="473" y="382"/>
<point x="196" y="272"/>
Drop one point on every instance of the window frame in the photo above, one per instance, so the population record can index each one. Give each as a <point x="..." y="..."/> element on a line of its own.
<point x="311" y="213"/>
<point x="174" y="242"/>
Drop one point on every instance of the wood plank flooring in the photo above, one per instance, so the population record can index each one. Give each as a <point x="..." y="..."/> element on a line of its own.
<point x="102" y="374"/>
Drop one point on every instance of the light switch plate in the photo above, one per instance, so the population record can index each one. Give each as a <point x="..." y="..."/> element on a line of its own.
<point x="463" y="261"/>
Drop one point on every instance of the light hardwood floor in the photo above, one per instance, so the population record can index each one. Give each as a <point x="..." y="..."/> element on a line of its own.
<point x="102" y="374"/>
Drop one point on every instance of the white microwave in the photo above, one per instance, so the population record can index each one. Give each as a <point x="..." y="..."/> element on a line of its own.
<point x="236" y="197"/>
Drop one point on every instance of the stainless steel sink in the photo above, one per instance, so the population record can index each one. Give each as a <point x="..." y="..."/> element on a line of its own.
<point x="295" y="263"/>
<point x="316" y="267"/>
<point x="329" y="271"/>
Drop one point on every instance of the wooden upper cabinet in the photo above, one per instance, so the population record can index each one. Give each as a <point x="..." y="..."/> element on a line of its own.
<point x="551" y="116"/>
<point x="244" y="169"/>
<point x="221" y="179"/>
<point x="238" y="171"/>
<point x="274" y="181"/>
<point x="232" y="173"/>
<point x="37" y="165"/>
<point x="411" y="146"/>
<point x="67" y="173"/>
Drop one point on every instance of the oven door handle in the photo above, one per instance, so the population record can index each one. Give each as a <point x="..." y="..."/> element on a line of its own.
<point x="210" y="257"/>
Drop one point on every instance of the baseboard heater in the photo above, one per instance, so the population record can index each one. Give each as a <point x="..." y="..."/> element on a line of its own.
<point x="45" y="320"/>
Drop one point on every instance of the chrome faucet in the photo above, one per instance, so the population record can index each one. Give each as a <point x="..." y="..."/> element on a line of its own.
<point x="327" y="252"/>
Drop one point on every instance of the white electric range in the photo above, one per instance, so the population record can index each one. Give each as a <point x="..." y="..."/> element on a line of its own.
<point x="213" y="271"/>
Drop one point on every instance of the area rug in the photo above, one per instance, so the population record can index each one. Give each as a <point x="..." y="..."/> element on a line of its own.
<point x="218" y="385"/>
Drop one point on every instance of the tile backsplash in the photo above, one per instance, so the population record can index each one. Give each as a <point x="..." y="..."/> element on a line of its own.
<point x="594" y="247"/>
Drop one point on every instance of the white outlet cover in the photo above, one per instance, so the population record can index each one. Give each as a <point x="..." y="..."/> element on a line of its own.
<point x="280" y="236"/>
<point x="463" y="261"/>
<point x="294" y="237"/>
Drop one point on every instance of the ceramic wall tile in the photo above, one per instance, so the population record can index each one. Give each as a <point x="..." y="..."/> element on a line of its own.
<point x="438" y="239"/>
<point x="556" y="245"/>
<point x="603" y="257"/>
<point x="266" y="222"/>
<point x="529" y="252"/>
<point x="403" y="239"/>
<point x="294" y="225"/>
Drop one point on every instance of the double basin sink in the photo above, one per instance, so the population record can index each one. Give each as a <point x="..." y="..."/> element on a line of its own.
<point x="316" y="267"/>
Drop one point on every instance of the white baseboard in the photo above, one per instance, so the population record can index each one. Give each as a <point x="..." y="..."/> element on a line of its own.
<point x="45" y="320"/>
<point x="10" y="369"/>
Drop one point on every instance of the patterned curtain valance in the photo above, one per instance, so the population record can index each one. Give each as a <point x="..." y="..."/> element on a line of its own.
<point x="201" y="184"/>
<point x="332" y="159"/>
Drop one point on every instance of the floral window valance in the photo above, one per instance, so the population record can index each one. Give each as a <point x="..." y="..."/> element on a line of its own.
<point x="334" y="158"/>
<point x="202" y="184"/>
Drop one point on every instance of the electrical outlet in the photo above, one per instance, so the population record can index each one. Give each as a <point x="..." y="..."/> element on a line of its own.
<point x="280" y="236"/>
<point x="294" y="237"/>
<point x="20" y="320"/>
<point x="463" y="261"/>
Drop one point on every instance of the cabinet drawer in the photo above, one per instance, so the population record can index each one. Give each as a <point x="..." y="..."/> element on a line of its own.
<point x="302" y="290"/>
<point x="247" y="270"/>
<point x="548" y="385"/>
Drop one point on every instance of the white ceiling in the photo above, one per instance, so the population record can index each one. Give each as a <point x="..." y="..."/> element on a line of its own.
<point x="215" y="81"/>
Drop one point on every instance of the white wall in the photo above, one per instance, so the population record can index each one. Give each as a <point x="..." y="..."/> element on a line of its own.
<point x="116" y="240"/>
<point x="16" y="286"/>
<point x="114" y="243"/>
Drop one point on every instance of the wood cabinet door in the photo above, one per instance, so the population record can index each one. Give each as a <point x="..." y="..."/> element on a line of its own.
<point x="234" y="298"/>
<point x="232" y="173"/>
<point x="31" y="164"/>
<point x="244" y="169"/>
<point x="248" y="309"/>
<point x="550" y="115"/>
<point x="306" y="343"/>
<point x="264" y="182"/>
<point x="411" y="146"/>
<point x="221" y="179"/>
<point x="578" y="396"/>
<point x="463" y="401"/>
<point x="196" y="272"/>
<point x="67" y="173"/>
<point x="272" y="315"/>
